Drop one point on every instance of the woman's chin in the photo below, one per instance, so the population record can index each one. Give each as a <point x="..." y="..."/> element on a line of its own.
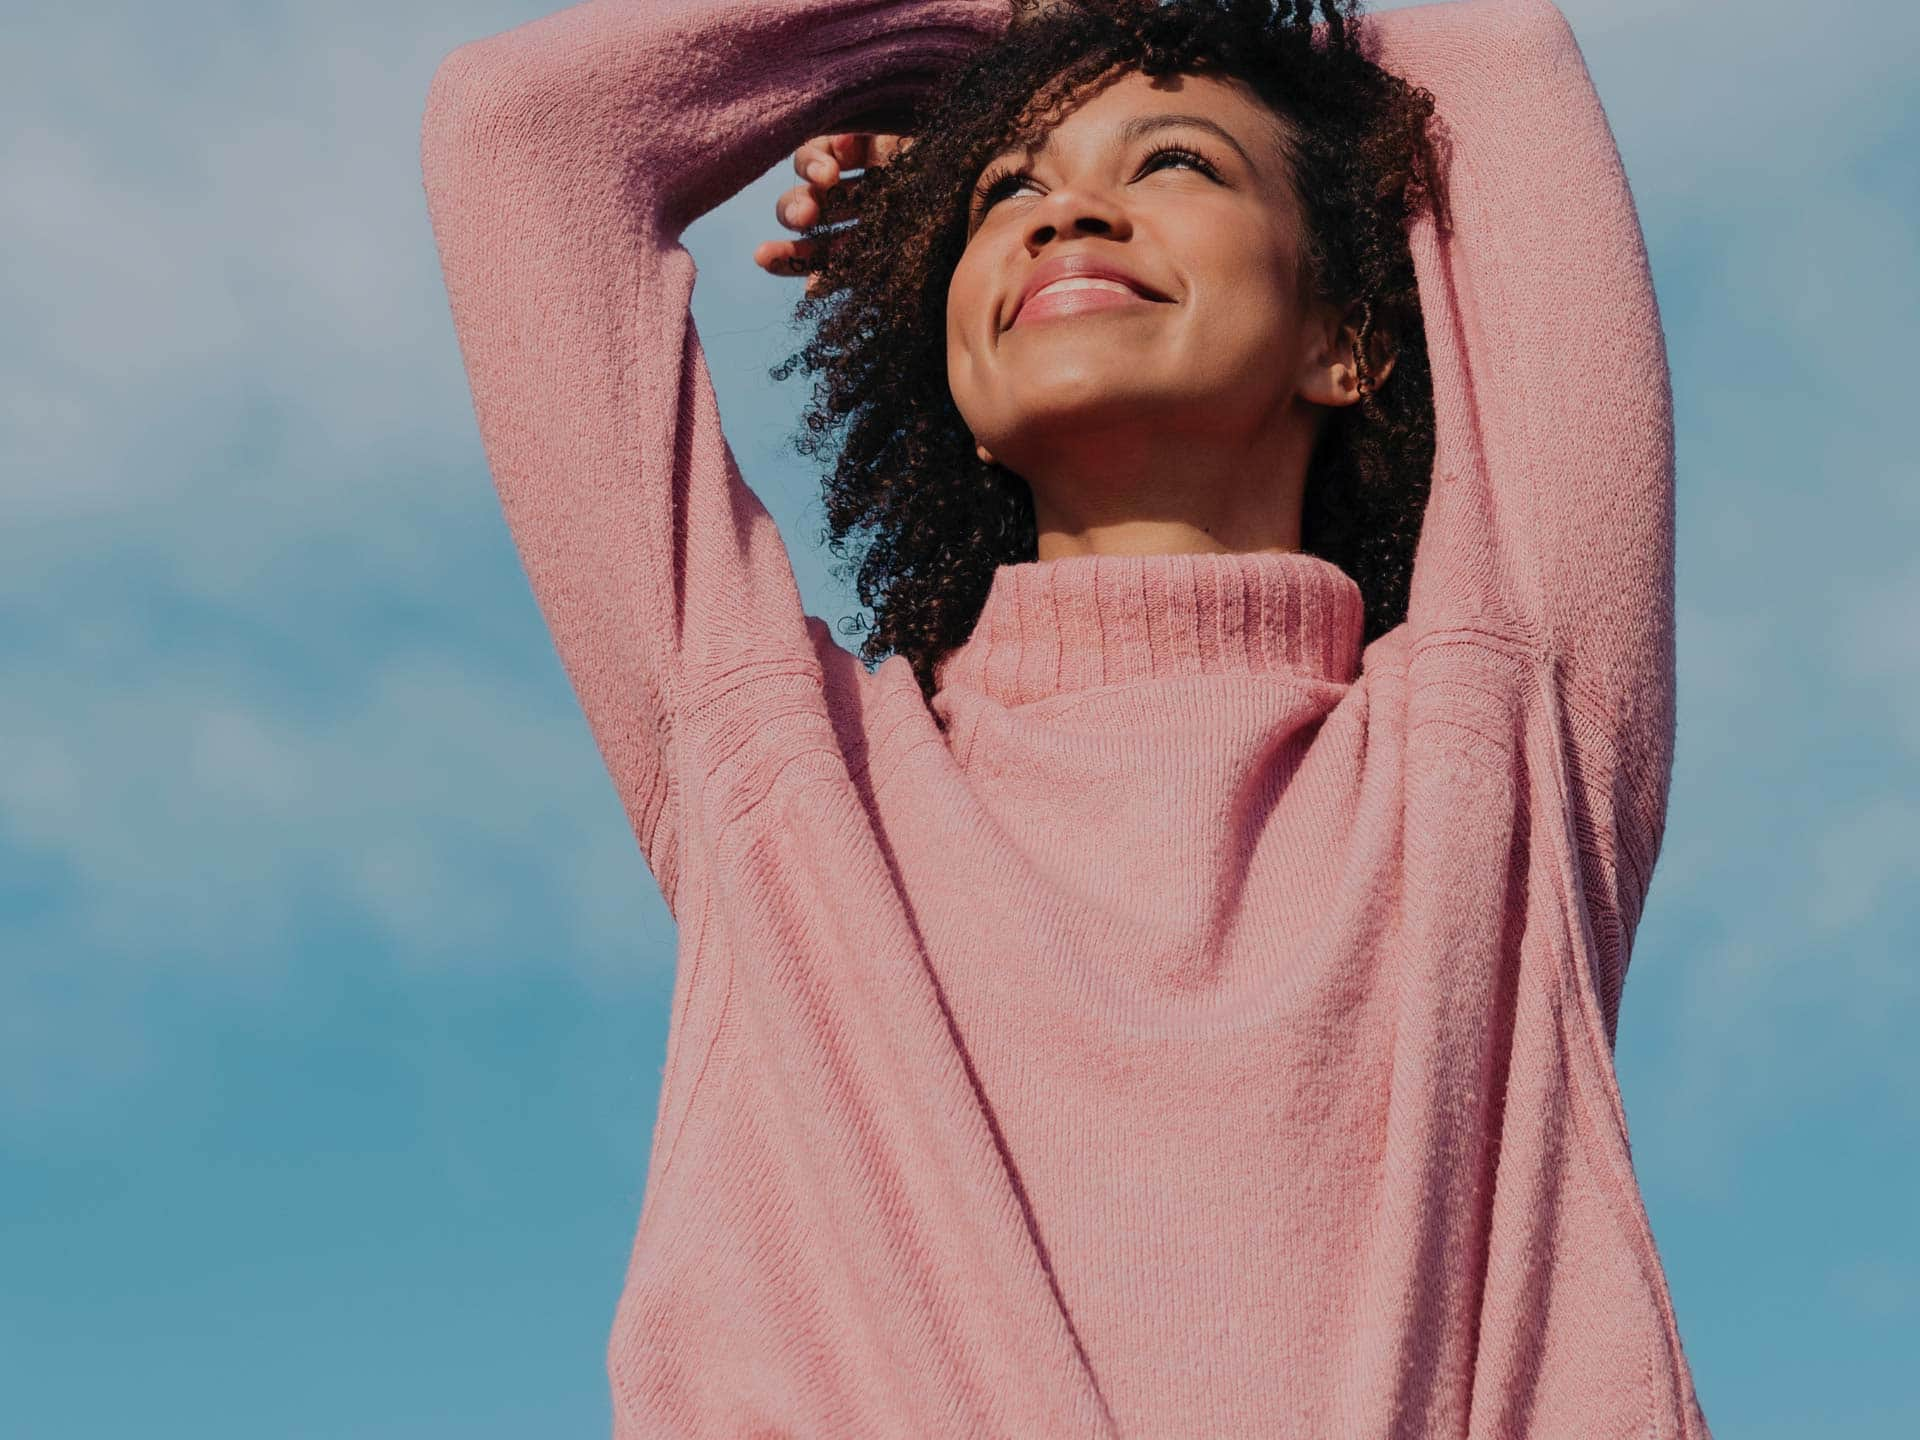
<point x="1084" y="384"/>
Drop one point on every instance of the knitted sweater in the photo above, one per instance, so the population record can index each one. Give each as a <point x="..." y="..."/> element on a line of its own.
<point x="1209" y="1031"/>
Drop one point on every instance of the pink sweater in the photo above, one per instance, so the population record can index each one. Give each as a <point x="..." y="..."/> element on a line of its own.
<point x="1210" y="1034"/>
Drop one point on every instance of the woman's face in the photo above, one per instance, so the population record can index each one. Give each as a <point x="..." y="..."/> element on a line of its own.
<point x="1215" y="352"/>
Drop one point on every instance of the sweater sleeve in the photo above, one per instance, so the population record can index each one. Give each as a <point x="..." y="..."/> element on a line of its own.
<point x="562" y="161"/>
<point x="1551" y="520"/>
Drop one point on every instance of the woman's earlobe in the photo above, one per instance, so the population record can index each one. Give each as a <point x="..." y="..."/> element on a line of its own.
<point x="986" y="455"/>
<point x="1335" y="384"/>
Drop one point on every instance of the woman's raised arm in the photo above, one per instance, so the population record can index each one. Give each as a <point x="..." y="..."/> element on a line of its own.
<point x="562" y="161"/>
<point x="1551" y="522"/>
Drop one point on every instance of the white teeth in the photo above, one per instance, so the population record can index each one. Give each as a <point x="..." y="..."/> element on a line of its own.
<point x="1084" y="282"/>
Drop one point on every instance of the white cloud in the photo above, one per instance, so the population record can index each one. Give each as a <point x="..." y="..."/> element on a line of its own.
<point x="201" y="821"/>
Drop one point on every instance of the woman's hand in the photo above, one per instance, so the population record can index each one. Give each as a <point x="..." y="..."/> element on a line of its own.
<point x="820" y="163"/>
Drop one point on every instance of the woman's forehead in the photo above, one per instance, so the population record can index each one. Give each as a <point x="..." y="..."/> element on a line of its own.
<point x="1131" y="105"/>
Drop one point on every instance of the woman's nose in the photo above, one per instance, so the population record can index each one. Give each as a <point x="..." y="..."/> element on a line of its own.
<point x="1075" y="211"/>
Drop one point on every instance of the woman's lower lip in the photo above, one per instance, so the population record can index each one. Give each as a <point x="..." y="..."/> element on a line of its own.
<point x="1050" y="303"/>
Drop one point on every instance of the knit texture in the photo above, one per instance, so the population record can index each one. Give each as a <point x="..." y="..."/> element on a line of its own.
<point x="1209" y="1032"/>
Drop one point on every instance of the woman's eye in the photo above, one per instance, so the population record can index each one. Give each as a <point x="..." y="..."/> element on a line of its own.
<point x="996" y="188"/>
<point x="1175" y="152"/>
<point x="993" y="190"/>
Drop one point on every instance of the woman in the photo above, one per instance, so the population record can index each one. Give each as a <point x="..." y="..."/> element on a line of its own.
<point x="1173" y="992"/>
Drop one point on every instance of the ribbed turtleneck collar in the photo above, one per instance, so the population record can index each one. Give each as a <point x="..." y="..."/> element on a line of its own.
<point x="1050" y="627"/>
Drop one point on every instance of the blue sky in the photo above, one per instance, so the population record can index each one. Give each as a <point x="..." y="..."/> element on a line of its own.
<point x="333" y="990"/>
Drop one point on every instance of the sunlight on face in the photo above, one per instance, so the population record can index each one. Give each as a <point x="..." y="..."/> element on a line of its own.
<point x="1181" y="186"/>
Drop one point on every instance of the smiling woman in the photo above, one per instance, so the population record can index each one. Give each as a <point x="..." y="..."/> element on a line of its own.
<point x="1186" y="423"/>
<point x="1262" y="181"/>
<point x="1173" y="993"/>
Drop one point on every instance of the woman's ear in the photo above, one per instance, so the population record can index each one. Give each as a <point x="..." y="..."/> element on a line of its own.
<point x="1331" y="373"/>
<point x="986" y="455"/>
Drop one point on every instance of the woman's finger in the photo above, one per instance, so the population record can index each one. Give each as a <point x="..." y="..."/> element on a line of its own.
<point x="806" y="205"/>
<point x="783" y="257"/>
<point x="787" y="258"/>
<point x="797" y="208"/>
<point x="822" y="159"/>
<point x="814" y="162"/>
<point x="851" y="151"/>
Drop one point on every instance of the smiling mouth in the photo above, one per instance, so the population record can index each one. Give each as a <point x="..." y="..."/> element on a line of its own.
<point x="1079" y="295"/>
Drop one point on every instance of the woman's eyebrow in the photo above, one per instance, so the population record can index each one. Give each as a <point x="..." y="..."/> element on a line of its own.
<point x="1146" y="124"/>
<point x="1140" y="125"/>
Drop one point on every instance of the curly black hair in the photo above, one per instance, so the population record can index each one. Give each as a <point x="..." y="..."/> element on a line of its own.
<point x="933" y="520"/>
